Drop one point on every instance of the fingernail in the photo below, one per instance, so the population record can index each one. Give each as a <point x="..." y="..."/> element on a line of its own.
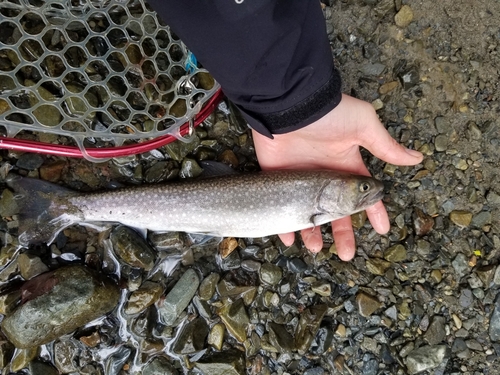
<point x="414" y="153"/>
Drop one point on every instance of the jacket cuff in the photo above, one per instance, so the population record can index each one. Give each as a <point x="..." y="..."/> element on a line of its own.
<point x="305" y="112"/>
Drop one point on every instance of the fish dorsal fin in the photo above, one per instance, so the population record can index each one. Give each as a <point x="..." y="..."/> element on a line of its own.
<point x="214" y="168"/>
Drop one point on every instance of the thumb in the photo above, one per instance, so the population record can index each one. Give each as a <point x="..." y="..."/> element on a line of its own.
<point x="380" y="143"/>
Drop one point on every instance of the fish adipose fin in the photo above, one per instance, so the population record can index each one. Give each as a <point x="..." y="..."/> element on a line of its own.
<point x="44" y="209"/>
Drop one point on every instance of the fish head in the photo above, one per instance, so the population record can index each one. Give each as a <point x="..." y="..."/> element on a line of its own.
<point x="349" y="194"/>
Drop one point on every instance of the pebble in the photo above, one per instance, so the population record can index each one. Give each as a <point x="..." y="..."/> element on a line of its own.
<point x="422" y="223"/>
<point x="396" y="253"/>
<point x="148" y="293"/>
<point x="323" y="288"/>
<point x="235" y="318"/>
<point x="494" y="329"/>
<point x="216" y="336"/>
<point x="481" y="219"/>
<point x="132" y="248"/>
<point x="159" y="366"/>
<point x="296" y="265"/>
<point x="436" y="276"/>
<point x="425" y="358"/>
<point x="179" y="297"/>
<point x="404" y="17"/>
<point x="270" y="274"/>
<point x="436" y="332"/>
<point x="377" y="266"/>
<point x="30" y="161"/>
<point x="372" y="69"/>
<point x="460" y="265"/>
<point x="42" y="368"/>
<point x="59" y="302"/>
<point x="30" y="266"/>
<point x="230" y="362"/>
<point x="388" y="87"/>
<point x="493" y="198"/>
<point x="190" y="169"/>
<point x="441" y="142"/>
<point x="466" y="299"/>
<point x="227" y="246"/>
<point x="308" y="326"/>
<point x="191" y="338"/>
<point x="280" y="338"/>
<point x="208" y="286"/>
<point x="367" y="304"/>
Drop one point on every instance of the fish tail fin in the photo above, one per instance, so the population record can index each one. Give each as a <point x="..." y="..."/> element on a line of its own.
<point x="44" y="209"/>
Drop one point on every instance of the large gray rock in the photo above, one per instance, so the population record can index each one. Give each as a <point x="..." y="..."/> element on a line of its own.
<point x="425" y="358"/>
<point x="495" y="321"/>
<point x="56" y="303"/>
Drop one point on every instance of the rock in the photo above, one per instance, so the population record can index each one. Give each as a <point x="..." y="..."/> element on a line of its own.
<point x="377" y="266"/>
<point x="461" y="265"/>
<point x="58" y="302"/>
<point x="396" y="253"/>
<point x="296" y="265"/>
<point x="441" y="142"/>
<point x="436" y="333"/>
<point x="235" y="318"/>
<point x="377" y="104"/>
<point x="308" y="326"/>
<point x="466" y="298"/>
<point x="190" y="169"/>
<point x="6" y="352"/>
<point x="270" y="274"/>
<point x="52" y="172"/>
<point x="22" y="358"/>
<point x="436" y="276"/>
<point x="323" y="288"/>
<point x="410" y="78"/>
<point x="493" y="198"/>
<point x="227" y="246"/>
<point x="422" y="223"/>
<point x="91" y="340"/>
<point x="494" y="329"/>
<point x="388" y="87"/>
<point x="425" y="358"/>
<point x="30" y="266"/>
<point x="208" y="286"/>
<point x="229" y="362"/>
<point x="404" y="17"/>
<point x="358" y="219"/>
<point x="481" y="219"/>
<point x="367" y="304"/>
<point x="159" y="366"/>
<point x="167" y="241"/>
<point x="228" y="157"/>
<point x="66" y="353"/>
<point x="142" y="298"/>
<point x="30" y="161"/>
<point x="179" y="297"/>
<point x="192" y="337"/>
<point x="423" y="248"/>
<point x="372" y="69"/>
<point x="216" y="336"/>
<point x="485" y="274"/>
<point x="132" y="248"/>
<point x="42" y="368"/>
<point x="8" y="205"/>
<point x="280" y="338"/>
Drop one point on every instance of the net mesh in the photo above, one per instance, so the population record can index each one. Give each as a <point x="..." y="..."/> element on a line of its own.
<point x="107" y="70"/>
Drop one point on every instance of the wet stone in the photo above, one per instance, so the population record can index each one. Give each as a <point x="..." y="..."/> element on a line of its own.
<point x="388" y="87"/>
<point x="132" y="248"/>
<point x="216" y="336"/>
<point x="493" y="198"/>
<point x="227" y="246"/>
<point x="377" y="266"/>
<point x="423" y="248"/>
<point x="425" y="358"/>
<point x="270" y="274"/>
<point x="280" y="338"/>
<point x="461" y="218"/>
<point x="296" y="265"/>
<point x="143" y="297"/>
<point x="179" y="297"/>
<point x="190" y="169"/>
<point x="485" y="274"/>
<point x="6" y="352"/>
<point x="441" y="142"/>
<point x="58" y="302"/>
<point x="323" y="288"/>
<point x="315" y="371"/>
<point x="65" y="356"/>
<point x="308" y="326"/>
<point x="166" y="241"/>
<point x="22" y="358"/>
<point x="208" y="286"/>
<point x="230" y="362"/>
<point x="236" y="319"/>
<point x="30" y="266"/>
<point x="372" y="69"/>
<point x="159" y="366"/>
<point x="8" y="205"/>
<point x="250" y="265"/>
<point x="192" y="337"/>
<point x="396" y="253"/>
<point x="42" y="368"/>
<point x="436" y="333"/>
<point x="367" y="304"/>
<point x="30" y="161"/>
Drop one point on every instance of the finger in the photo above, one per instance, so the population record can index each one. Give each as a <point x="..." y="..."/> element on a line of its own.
<point x="378" y="217"/>
<point x="313" y="240"/>
<point x="380" y="143"/>
<point x="344" y="238"/>
<point x="287" y="238"/>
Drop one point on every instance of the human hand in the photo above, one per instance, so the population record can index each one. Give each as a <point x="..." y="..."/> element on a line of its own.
<point x="333" y="142"/>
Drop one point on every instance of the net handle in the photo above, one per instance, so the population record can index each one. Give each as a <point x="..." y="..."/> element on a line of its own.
<point x="109" y="152"/>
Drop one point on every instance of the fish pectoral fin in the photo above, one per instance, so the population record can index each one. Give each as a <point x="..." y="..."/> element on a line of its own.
<point x="319" y="219"/>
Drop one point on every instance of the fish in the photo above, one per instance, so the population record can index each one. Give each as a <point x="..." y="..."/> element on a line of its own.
<point x="242" y="205"/>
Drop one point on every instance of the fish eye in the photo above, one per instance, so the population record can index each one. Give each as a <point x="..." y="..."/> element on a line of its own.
<point x="364" y="187"/>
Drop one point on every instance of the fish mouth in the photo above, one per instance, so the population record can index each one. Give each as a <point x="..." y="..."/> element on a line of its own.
<point x="371" y="199"/>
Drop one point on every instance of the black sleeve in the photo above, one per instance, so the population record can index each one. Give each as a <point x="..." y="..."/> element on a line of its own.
<point x="271" y="57"/>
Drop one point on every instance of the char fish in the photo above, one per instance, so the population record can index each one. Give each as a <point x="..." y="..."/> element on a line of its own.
<point x="237" y="205"/>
